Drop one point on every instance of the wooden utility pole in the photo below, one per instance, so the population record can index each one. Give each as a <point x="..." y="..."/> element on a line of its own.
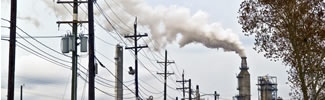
<point x="21" y="92"/>
<point x="216" y="96"/>
<point x="183" y="85"/>
<point x="74" y="23"/>
<point x="189" y="88"/>
<point x="91" y="61"/>
<point x="136" y="49"/>
<point x="12" y="50"/>
<point x="198" y="97"/>
<point x="166" y="62"/>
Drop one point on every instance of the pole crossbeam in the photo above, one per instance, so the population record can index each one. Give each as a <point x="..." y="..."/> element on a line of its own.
<point x="59" y="1"/>
<point x="136" y="49"/>
<point x="166" y="74"/>
<point x="74" y="22"/>
<point x="183" y="81"/>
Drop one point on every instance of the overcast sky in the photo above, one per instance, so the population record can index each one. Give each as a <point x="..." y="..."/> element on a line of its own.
<point x="211" y="68"/>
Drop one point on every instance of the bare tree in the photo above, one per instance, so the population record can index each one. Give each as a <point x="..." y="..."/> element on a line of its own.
<point x="291" y="31"/>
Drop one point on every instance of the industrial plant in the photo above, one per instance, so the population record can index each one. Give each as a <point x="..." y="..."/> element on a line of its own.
<point x="91" y="71"/>
<point x="244" y="87"/>
<point x="267" y="85"/>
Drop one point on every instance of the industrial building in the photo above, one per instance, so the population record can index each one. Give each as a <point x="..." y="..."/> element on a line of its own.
<point x="243" y="77"/>
<point x="267" y="87"/>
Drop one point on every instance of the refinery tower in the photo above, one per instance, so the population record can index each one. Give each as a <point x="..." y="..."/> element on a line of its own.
<point x="244" y="87"/>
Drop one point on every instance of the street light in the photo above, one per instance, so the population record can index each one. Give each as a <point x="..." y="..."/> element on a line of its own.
<point x="131" y="71"/>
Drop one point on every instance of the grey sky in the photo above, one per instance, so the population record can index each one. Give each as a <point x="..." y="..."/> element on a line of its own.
<point x="212" y="69"/>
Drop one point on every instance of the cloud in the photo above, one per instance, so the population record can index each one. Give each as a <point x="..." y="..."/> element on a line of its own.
<point x="36" y="71"/>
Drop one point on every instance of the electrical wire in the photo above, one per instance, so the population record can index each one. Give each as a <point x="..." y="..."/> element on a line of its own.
<point x="124" y="41"/>
<point x="111" y="44"/>
<point x="41" y="55"/>
<point x="43" y="50"/>
<point x="150" y="91"/>
<point x="45" y="57"/>
<point x="34" y="39"/>
<point x="99" y="8"/>
<point x="117" y="15"/>
<point x="101" y="64"/>
<point x="113" y="22"/>
<point x="102" y="12"/>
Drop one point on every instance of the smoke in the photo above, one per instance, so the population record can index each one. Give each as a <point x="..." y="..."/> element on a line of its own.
<point x="33" y="20"/>
<point x="58" y="9"/>
<point x="165" y="23"/>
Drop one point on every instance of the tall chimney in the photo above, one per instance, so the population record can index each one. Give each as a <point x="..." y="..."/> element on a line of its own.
<point x="244" y="81"/>
<point x="243" y="63"/>
<point x="119" y="72"/>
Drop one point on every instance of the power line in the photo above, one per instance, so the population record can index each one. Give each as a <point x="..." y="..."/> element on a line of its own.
<point x="120" y="27"/>
<point x="41" y="55"/>
<point x="150" y="91"/>
<point x="34" y="39"/>
<point x="53" y="61"/>
<point x="43" y="50"/>
<point x="111" y="44"/>
<point x="101" y="11"/>
<point x="101" y="64"/>
<point x="116" y="14"/>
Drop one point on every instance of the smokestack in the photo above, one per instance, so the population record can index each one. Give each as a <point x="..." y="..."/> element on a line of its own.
<point x="119" y="72"/>
<point x="244" y="87"/>
<point x="244" y="63"/>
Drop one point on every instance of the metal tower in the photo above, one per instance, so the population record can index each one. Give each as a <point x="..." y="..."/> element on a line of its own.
<point x="267" y="87"/>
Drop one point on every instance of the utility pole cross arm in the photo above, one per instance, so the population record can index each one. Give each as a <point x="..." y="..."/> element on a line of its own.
<point x="60" y="1"/>
<point x="138" y="35"/>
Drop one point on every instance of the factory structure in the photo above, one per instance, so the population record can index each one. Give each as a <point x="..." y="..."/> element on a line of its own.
<point x="244" y="86"/>
<point x="267" y="85"/>
<point x="267" y="88"/>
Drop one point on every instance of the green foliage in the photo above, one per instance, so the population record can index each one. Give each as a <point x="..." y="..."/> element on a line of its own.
<point x="292" y="31"/>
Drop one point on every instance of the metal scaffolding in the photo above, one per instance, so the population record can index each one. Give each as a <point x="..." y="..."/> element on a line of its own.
<point x="267" y="87"/>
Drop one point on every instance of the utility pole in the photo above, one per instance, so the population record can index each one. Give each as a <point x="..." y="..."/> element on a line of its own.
<point x="183" y="84"/>
<point x="165" y="74"/>
<point x="216" y="96"/>
<point x="12" y="50"/>
<point x="136" y="49"/>
<point x="21" y="92"/>
<point x="75" y="23"/>
<point x="190" y="89"/>
<point x="197" y="93"/>
<point x="91" y="61"/>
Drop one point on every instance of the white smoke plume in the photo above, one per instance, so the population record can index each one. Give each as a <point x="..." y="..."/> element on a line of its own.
<point x="165" y="23"/>
<point x="58" y="9"/>
<point x="33" y="20"/>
